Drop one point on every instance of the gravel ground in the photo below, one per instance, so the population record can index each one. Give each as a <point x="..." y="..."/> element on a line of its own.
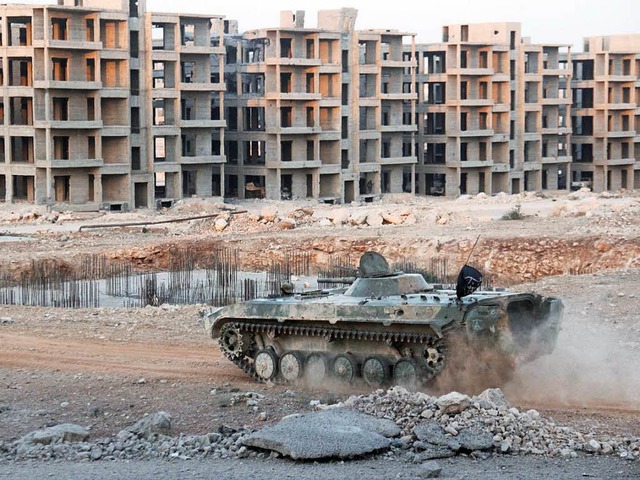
<point x="460" y="468"/>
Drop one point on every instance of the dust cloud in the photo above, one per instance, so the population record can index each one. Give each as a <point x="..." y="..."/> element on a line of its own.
<point x="591" y="366"/>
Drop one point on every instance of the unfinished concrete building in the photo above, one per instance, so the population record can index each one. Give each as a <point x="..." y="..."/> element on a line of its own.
<point x="606" y="114"/>
<point x="318" y="112"/>
<point x="493" y="112"/>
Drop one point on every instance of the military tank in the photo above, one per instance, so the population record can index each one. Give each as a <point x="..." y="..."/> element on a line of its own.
<point x="382" y="327"/>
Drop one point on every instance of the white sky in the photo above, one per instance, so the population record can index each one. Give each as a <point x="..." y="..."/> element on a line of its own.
<point x="545" y="21"/>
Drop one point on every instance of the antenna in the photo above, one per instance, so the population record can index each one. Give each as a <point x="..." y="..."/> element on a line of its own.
<point x="472" y="249"/>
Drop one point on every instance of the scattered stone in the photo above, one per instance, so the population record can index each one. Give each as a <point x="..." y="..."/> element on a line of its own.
<point x="269" y="213"/>
<point x="156" y="423"/>
<point x="430" y="469"/>
<point x="220" y="224"/>
<point x="374" y="220"/>
<point x="287" y="224"/>
<point x="6" y="321"/>
<point x="65" y="432"/>
<point x="473" y="439"/>
<point x="392" y="219"/>
<point x="453" y="402"/>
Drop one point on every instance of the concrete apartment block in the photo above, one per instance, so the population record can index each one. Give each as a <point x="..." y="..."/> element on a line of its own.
<point x="493" y="112"/>
<point x="318" y="112"/>
<point x="606" y="113"/>
<point x="183" y="102"/>
<point x="110" y="106"/>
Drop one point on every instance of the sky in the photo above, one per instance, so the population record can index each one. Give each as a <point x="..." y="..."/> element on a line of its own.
<point x="545" y="21"/>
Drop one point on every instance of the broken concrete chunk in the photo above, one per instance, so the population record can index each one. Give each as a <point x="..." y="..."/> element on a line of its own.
<point x="453" y="402"/>
<point x="66" y="432"/>
<point x="332" y="433"/>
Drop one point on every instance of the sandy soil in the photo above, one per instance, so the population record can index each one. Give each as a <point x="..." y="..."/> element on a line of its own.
<point x="106" y="367"/>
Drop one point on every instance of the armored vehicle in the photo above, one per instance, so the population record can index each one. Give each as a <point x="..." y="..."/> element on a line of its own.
<point x="384" y="328"/>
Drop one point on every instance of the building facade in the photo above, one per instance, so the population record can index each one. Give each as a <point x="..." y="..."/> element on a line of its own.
<point x="606" y="113"/>
<point x="493" y="112"/>
<point x="109" y="106"/>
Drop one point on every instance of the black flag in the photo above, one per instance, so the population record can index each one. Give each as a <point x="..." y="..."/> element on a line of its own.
<point x="469" y="279"/>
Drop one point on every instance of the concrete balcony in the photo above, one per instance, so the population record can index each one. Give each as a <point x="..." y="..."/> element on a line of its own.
<point x="330" y="168"/>
<point x="398" y="128"/>
<point x="531" y="166"/>
<point x="399" y="96"/>
<point x="165" y="93"/>
<point x="205" y="123"/>
<point x="531" y="136"/>
<point x="165" y="130"/>
<point x="616" y="162"/>
<point x="481" y="72"/>
<point x="330" y="102"/>
<point x="294" y="61"/>
<point x="501" y="77"/>
<point x="197" y="50"/>
<point x="368" y="69"/>
<point x="295" y="164"/>
<point x="622" y="134"/>
<point x="474" y="164"/>
<point x="115" y="92"/>
<point x="487" y="132"/>
<point x="297" y="130"/>
<point x="556" y="160"/>
<point x="500" y="137"/>
<point x="557" y="72"/>
<point x="396" y="64"/>
<point x="116" y="131"/>
<point x="532" y="107"/>
<point x="621" y="106"/>
<point x="115" y="169"/>
<point x="294" y="96"/>
<point x="330" y="135"/>
<point x="19" y="91"/>
<point x="71" y="163"/>
<point x="67" y="85"/>
<point x="501" y="107"/>
<point x="616" y="78"/>
<point x="500" y="167"/>
<point x="330" y="68"/>
<point x="476" y="102"/>
<point x="165" y="56"/>
<point x="369" y="102"/>
<point x="73" y="45"/>
<point x="555" y="101"/>
<point x="166" y="166"/>
<point x="200" y="87"/>
<point x="70" y="124"/>
<point x="370" y="134"/>
<point x="114" y="55"/>
<point x="201" y="159"/>
<point x="398" y="160"/>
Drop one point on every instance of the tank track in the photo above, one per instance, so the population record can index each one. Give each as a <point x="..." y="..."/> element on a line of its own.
<point x="327" y="332"/>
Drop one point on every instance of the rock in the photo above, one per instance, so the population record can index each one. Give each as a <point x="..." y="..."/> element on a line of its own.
<point x="358" y="218"/>
<point x="156" y="423"/>
<point x="593" y="446"/>
<point x="494" y="397"/>
<point x="269" y="213"/>
<point x="475" y="439"/>
<point x="453" y="402"/>
<point x="430" y="469"/>
<point x="96" y="453"/>
<point x="287" y="224"/>
<point x="409" y="220"/>
<point x="220" y="224"/>
<point x="442" y="219"/>
<point x="391" y="218"/>
<point x="335" y="432"/>
<point x="65" y="432"/>
<point x="325" y="222"/>
<point x="434" y="452"/>
<point x="431" y="432"/>
<point x="339" y="217"/>
<point x="6" y="321"/>
<point x="374" y="219"/>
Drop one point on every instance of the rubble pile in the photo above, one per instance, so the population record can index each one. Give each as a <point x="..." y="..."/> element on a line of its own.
<point x="437" y="427"/>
